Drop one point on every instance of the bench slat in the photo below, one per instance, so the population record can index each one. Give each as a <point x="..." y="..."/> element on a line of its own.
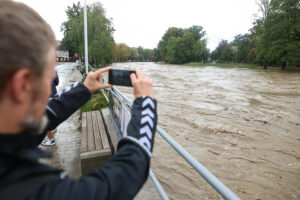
<point x="83" y="147"/>
<point x="98" y="142"/>
<point x="90" y="132"/>
<point x="104" y="139"/>
<point x="95" y="150"/>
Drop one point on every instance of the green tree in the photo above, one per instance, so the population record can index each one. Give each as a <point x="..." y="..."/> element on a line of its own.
<point x="147" y="55"/>
<point x="141" y="56"/>
<point x="100" y="31"/>
<point x="171" y="49"/>
<point x="162" y="45"/>
<point x="197" y="31"/>
<point x="217" y="53"/>
<point x="133" y="54"/>
<point x="182" y="46"/>
<point x="200" y="51"/>
<point x="279" y="43"/>
<point x="242" y="44"/>
<point x="156" y="55"/>
<point x="255" y="33"/>
<point x="123" y="53"/>
<point x="72" y="12"/>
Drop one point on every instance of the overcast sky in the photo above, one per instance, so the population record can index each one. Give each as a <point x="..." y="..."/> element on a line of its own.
<point x="143" y="22"/>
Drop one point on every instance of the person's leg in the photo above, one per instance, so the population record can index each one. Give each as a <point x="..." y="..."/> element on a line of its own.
<point x="48" y="141"/>
<point x="49" y="134"/>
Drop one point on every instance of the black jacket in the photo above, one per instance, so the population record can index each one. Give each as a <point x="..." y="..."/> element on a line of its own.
<point x="120" y="178"/>
<point x="55" y="83"/>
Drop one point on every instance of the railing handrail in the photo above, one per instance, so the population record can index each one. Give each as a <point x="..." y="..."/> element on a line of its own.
<point x="205" y="173"/>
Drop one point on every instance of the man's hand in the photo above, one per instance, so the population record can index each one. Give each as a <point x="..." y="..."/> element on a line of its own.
<point x="93" y="81"/>
<point x="142" y="85"/>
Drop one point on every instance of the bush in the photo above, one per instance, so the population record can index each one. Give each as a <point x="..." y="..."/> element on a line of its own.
<point x="96" y="102"/>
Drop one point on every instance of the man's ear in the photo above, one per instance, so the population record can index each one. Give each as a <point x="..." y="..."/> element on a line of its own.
<point x="21" y="85"/>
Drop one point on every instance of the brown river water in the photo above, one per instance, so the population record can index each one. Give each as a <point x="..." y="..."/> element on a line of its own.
<point x="243" y="125"/>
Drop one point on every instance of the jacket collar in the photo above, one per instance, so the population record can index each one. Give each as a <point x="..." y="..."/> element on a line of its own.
<point x="23" y="145"/>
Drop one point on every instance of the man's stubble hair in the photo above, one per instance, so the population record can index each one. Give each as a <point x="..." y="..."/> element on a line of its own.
<point x="30" y="124"/>
<point x="25" y="41"/>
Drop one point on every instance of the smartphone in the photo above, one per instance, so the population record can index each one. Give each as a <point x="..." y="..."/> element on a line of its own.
<point x="120" y="77"/>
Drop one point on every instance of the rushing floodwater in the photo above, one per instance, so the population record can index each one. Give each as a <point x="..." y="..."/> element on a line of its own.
<point x="243" y="125"/>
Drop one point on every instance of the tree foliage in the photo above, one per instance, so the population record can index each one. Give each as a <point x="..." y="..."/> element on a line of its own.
<point x="279" y="42"/>
<point x="182" y="45"/>
<point x="123" y="53"/>
<point x="100" y="31"/>
<point x="274" y="38"/>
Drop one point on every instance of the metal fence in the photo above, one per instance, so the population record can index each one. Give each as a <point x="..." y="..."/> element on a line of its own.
<point x="121" y="125"/>
<point x="120" y="104"/>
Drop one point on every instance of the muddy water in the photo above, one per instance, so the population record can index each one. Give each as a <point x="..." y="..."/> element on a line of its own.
<point x="243" y="125"/>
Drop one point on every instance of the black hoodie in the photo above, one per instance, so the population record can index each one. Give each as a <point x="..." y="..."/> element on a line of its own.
<point x="120" y="178"/>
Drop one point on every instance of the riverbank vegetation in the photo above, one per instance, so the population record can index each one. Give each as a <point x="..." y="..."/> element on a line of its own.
<point x="123" y="53"/>
<point x="224" y="65"/>
<point x="239" y="65"/>
<point x="100" y="30"/>
<point x="274" y="39"/>
<point x="179" y="46"/>
<point x="101" y="45"/>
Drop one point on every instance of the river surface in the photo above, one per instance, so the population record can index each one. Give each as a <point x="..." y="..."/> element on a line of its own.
<point x="241" y="124"/>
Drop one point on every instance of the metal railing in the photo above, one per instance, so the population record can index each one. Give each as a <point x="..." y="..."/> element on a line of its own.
<point x="205" y="173"/>
<point x="125" y="101"/>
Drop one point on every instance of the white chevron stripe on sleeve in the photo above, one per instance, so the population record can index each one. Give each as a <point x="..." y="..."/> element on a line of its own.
<point x="75" y="84"/>
<point x="146" y="130"/>
<point x="67" y="89"/>
<point x="147" y="119"/>
<point x="52" y="111"/>
<point x="144" y="140"/>
<point x="148" y="112"/>
<point x="148" y="101"/>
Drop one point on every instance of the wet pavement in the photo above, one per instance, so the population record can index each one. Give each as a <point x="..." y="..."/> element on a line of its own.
<point x="66" y="150"/>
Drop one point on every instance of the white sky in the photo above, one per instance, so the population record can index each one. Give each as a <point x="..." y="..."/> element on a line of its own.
<point x="143" y="23"/>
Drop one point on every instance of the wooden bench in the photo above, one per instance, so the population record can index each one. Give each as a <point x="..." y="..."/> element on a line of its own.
<point x="95" y="150"/>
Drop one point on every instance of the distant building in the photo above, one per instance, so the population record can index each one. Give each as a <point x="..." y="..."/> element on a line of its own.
<point x="234" y="48"/>
<point x="62" y="54"/>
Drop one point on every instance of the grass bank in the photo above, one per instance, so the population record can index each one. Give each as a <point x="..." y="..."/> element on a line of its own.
<point x="239" y="65"/>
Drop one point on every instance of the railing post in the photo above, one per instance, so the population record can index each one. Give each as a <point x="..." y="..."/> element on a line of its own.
<point x="86" y="40"/>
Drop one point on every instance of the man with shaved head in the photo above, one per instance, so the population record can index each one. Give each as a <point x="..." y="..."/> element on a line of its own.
<point x="27" y="62"/>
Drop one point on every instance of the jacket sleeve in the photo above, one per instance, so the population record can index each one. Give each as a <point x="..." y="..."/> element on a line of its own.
<point x="65" y="103"/>
<point x="120" y="178"/>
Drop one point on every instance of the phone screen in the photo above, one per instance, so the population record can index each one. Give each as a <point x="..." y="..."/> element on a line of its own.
<point x="119" y="77"/>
